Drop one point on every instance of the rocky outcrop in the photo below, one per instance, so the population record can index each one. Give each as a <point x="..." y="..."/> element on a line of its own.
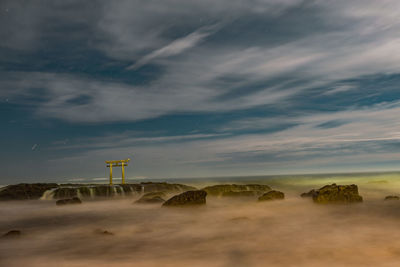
<point x="25" y="191"/>
<point x="68" y="201"/>
<point x="152" y="198"/>
<point x="272" y="195"/>
<point x="219" y="190"/>
<point x="392" y="198"/>
<point x="85" y="191"/>
<point x="91" y="191"/>
<point x="310" y="193"/>
<point x="12" y="234"/>
<point x="337" y="194"/>
<point x="242" y="193"/>
<point x="197" y="197"/>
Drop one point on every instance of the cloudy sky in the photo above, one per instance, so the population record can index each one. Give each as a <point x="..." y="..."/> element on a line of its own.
<point x="198" y="88"/>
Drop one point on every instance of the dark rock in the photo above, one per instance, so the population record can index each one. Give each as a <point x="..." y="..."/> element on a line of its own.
<point x="103" y="232"/>
<point x="392" y="198"/>
<point x="241" y="193"/>
<point x="219" y="190"/>
<point x="12" y="233"/>
<point x="310" y="193"/>
<point x="68" y="201"/>
<point x="272" y="195"/>
<point x="197" y="197"/>
<point x="337" y="194"/>
<point x="25" y="191"/>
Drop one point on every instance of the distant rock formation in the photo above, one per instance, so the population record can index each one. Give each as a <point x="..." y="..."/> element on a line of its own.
<point x="197" y="197"/>
<point x="392" y="198"/>
<point x="337" y="194"/>
<point x="220" y="190"/>
<point x="25" y="191"/>
<point x="68" y="201"/>
<point x="272" y="195"/>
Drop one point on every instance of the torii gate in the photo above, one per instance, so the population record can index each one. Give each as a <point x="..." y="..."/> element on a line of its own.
<point x="117" y="163"/>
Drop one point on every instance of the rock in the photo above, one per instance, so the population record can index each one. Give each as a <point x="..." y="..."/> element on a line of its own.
<point x="68" y="201"/>
<point x="25" y="191"/>
<point x="241" y="193"/>
<point x="63" y="191"/>
<point x="197" y="197"/>
<point x="310" y="193"/>
<point x="392" y="198"/>
<point x="337" y="194"/>
<point x="152" y="198"/>
<point x="219" y="190"/>
<point x="272" y="195"/>
<point x="103" y="232"/>
<point x="12" y="233"/>
<point x="165" y="187"/>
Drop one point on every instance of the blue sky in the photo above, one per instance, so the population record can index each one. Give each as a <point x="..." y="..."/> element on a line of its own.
<point x="198" y="88"/>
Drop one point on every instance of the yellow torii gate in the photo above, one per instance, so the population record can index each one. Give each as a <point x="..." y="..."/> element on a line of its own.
<point x="117" y="163"/>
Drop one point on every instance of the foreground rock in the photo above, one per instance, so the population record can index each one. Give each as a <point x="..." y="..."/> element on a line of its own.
<point x="152" y="198"/>
<point x="392" y="198"/>
<point x="25" y="191"/>
<point x="12" y="234"/>
<point x="272" y="195"/>
<point x="220" y="190"/>
<point x="337" y="194"/>
<point x="197" y="197"/>
<point x="68" y="201"/>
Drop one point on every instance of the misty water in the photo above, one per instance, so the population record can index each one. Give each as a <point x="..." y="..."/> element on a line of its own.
<point x="224" y="232"/>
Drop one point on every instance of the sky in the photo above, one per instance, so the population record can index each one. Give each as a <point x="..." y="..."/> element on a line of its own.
<point x="198" y="88"/>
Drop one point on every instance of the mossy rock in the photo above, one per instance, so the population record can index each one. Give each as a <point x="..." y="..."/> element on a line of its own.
<point x="25" y="191"/>
<point x="337" y="194"/>
<point x="272" y="195"/>
<point x="220" y="190"/>
<point x="197" y="197"/>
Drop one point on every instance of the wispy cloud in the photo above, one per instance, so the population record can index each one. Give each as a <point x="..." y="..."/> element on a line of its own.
<point x="175" y="47"/>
